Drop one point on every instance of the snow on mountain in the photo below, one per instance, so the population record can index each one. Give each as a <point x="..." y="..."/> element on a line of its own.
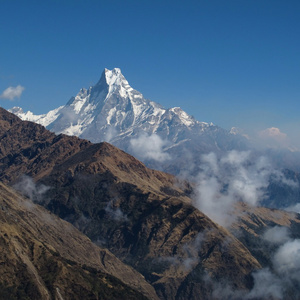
<point x="109" y="110"/>
<point x="44" y="119"/>
<point x="113" y="111"/>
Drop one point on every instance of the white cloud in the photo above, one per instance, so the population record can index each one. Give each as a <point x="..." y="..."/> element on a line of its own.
<point x="149" y="147"/>
<point x="234" y="177"/>
<point x="32" y="190"/>
<point x="294" y="208"/>
<point x="273" y="132"/>
<point x="115" y="212"/>
<point x="266" y="286"/>
<point x="12" y="92"/>
<point x="286" y="268"/>
<point x="277" y="235"/>
<point x="287" y="260"/>
<point x="273" y="137"/>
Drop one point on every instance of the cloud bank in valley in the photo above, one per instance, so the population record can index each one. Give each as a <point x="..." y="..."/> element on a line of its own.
<point x="284" y="273"/>
<point x="12" y="92"/>
<point x="236" y="176"/>
<point x="281" y="280"/>
<point x="224" y="181"/>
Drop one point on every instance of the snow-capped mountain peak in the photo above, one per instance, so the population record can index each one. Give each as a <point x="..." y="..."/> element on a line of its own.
<point x="115" y="77"/>
<point x="114" y="82"/>
<point x="113" y="106"/>
<point x="113" y="111"/>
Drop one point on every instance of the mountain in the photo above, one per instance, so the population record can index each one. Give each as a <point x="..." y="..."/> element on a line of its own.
<point x="114" y="112"/>
<point x="44" y="257"/>
<point x="253" y="223"/>
<point x="273" y="238"/>
<point x="111" y="110"/>
<point x="146" y="217"/>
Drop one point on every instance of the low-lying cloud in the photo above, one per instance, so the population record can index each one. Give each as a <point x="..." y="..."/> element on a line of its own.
<point x="12" y="92"/>
<point x="277" y="235"/>
<point x="115" y="212"/>
<point x="29" y="188"/>
<point x="286" y="260"/>
<point x="281" y="280"/>
<point x="188" y="256"/>
<point x="294" y="208"/>
<point x="224" y="181"/>
<point x="147" y="147"/>
<point x="236" y="176"/>
<point x="285" y="275"/>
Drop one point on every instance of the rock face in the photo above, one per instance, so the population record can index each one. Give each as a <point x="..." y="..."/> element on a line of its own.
<point x="44" y="257"/>
<point x="254" y="222"/>
<point x="144" y="217"/>
<point x="273" y="238"/>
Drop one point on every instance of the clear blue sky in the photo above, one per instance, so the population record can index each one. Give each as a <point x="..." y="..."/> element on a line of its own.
<point x="233" y="63"/>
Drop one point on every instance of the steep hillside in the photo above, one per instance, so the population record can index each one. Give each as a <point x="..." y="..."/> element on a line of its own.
<point x="145" y="217"/>
<point x="253" y="223"/>
<point x="44" y="257"/>
<point x="146" y="222"/>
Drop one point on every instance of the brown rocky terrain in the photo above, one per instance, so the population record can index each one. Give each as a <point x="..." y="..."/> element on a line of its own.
<point x="44" y="257"/>
<point x="144" y="217"/>
<point x="252" y="224"/>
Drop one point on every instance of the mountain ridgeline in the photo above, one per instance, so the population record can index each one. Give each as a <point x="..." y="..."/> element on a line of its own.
<point x="44" y="257"/>
<point x="146" y="218"/>
<point x="164" y="139"/>
<point x="114" y="112"/>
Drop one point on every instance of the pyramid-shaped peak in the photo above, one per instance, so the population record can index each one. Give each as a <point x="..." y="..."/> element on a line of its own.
<point x="113" y="78"/>
<point x="115" y="71"/>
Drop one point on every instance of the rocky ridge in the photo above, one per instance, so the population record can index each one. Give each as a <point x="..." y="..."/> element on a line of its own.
<point x="44" y="257"/>
<point x="145" y="217"/>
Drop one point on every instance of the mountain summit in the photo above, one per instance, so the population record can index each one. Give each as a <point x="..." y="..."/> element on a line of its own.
<point x="113" y="111"/>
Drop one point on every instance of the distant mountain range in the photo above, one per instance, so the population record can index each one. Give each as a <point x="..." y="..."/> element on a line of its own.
<point x="114" y="112"/>
<point x="166" y="139"/>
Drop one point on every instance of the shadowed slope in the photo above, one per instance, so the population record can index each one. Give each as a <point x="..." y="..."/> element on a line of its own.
<point x="43" y="256"/>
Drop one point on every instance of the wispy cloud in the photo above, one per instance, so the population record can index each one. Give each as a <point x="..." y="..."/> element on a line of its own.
<point x="32" y="190"/>
<point x="236" y="176"/>
<point x="273" y="137"/>
<point x="294" y="208"/>
<point x="224" y="181"/>
<point x="266" y="286"/>
<point x="273" y="133"/>
<point x="278" y="281"/>
<point x="12" y="92"/>
<point x="286" y="260"/>
<point x="284" y="275"/>
<point x="149" y="147"/>
<point x="115" y="212"/>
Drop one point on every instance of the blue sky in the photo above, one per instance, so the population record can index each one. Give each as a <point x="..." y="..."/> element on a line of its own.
<point x="233" y="63"/>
